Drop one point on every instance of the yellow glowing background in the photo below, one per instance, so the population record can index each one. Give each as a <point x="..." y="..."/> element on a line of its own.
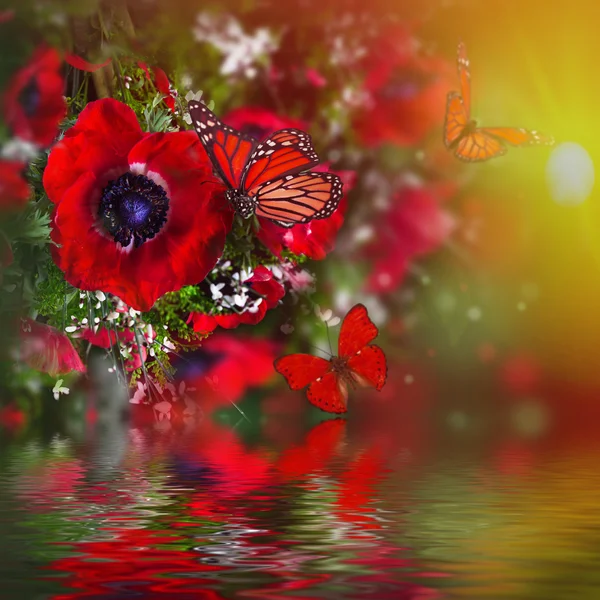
<point x="535" y="64"/>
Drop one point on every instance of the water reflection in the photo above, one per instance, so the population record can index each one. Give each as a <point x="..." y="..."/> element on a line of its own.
<point x="343" y="509"/>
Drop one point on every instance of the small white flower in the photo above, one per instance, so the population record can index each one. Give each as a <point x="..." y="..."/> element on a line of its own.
<point x="240" y="299"/>
<point x="57" y="390"/>
<point x="215" y="290"/>
<point x="253" y="308"/>
<point x="140" y="393"/>
<point x="167" y="343"/>
<point x="71" y="328"/>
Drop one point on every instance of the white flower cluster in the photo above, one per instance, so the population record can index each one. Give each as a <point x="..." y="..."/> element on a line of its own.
<point x="241" y="51"/>
<point x="229" y="291"/>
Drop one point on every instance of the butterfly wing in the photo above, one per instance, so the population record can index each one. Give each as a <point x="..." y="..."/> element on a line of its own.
<point x="478" y="146"/>
<point x="370" y="366"/>
<point x="456" y="118"/>
<point x="329" y="393"/>
<point x="464" y="75"/>
<point x="286" y="152"/>
<point x="518" y="136"/>
<point x="356" y="332"/>
<point x="325" y="389"/>
<point x="299" y="198"/>
<point x="301" y="370"/>
<point x="229" y="150"/>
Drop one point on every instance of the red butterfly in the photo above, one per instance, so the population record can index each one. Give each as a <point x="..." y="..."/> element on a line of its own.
<point x="268" y="179"/>
<point x="472" y="143"/>
<point x="358" y="363"/>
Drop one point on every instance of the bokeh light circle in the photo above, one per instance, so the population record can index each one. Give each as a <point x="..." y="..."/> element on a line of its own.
<point x="570" y="174"/>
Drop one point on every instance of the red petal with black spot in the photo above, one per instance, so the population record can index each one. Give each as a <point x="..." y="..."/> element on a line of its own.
<point x="133" y="215"/>
<point x="34" y="103"/>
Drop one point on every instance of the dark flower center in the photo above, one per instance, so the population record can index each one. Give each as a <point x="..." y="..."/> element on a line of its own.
<point x="133" y="207"/>
<point x="255" y="131"/>
<point x="29" y="97"/>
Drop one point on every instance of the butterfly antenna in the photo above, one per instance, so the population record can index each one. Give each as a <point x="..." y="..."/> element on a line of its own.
<point x="320" y="349"/>
<point x="329" y="338"/>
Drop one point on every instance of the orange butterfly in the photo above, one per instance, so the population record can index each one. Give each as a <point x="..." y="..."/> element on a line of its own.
<point x="327" y="381"/>
<point x="469" y="142"/>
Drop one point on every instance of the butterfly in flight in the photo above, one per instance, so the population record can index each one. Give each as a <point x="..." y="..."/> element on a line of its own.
<point x="470" y="142"/>
<point x="358" y="363"/>
<point x="270" y="179"/>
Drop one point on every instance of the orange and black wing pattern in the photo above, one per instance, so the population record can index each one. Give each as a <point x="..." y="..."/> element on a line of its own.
<point x="229" y="150"/>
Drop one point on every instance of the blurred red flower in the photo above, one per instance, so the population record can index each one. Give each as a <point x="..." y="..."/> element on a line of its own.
<point x="34" y="103"/>
<point x="262" y="286"/>
<point x="224" y="367"/>
<point x="259" y="122"/>
<point x="521" y="374"/>
<point x="14" y="190"/>
<point x="12" y="418"/>
<point x="48" y="350"/>
<point x="406" y="92"/>
<point x="414" y="225"/>
<point x="132" y="215"/>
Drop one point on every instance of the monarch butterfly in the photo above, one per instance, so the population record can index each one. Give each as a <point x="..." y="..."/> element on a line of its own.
<point x="461" y="134"/>
<point x="271" y="178"/>
<point x="358" y="363"/>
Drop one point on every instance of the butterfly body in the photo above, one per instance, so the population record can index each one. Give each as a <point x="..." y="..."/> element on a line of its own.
<point x="269" y="179"/>
<point x="465" y="138"/>
<point x="243" y="204"/>
<point x="359" y="364"/>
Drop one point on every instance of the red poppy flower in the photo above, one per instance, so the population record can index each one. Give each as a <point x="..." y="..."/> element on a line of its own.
<point x="133" y="216"/>
<point x="415" y="225"/>
<point x="406" y="92"/>
<point x="259" y="122"/>
<point x="14" y="191"/>
<point x="46" y="349"/>
<point x="34" y="104"/>
<point x="244" y="304"/>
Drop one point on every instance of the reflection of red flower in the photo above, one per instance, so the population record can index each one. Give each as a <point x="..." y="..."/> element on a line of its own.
<point x="415" y="225"/>
<point x="46" y="349"/>
<point x="14" y="190"/>
<point x="269" y="293"/>
<point x="259" y="122"/>
<point x="322" y="443"/>
<point x="315" y="239"/>
<point x="34" y="104"/>
<point x="406" y="92"/>
<point x="132" y="216"/>
<point x="225" y="367"/>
